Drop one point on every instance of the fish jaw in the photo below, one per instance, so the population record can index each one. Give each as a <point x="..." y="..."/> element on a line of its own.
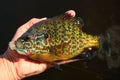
<point x="12" y="46"/>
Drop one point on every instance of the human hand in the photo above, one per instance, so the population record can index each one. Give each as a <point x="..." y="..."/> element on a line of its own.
<point x="24" y="66"/>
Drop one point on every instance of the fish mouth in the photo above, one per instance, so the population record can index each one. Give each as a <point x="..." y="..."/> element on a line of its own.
<point x="13" y="46"/>
<point x="17" y="46"/>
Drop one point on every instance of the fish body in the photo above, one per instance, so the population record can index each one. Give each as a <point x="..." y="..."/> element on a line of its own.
<point x="54" y="39"/>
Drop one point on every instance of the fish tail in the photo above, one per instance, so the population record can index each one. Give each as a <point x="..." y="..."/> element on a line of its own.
<point x="105" y="44"/>
<point x="110" y="47"/>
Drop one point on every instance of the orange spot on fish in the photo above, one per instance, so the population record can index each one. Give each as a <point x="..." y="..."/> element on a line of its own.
<point x="92" y="42"/>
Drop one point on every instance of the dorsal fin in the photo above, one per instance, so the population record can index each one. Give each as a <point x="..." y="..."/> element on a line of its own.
<point x="79" y="20"/>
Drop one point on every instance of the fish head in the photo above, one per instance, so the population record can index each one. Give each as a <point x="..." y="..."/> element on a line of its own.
<point x="30" y="43"/>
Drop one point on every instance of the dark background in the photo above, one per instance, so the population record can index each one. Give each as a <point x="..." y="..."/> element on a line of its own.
<point x="98" y="16"/>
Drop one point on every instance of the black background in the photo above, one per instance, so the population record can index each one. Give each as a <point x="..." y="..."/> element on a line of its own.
<point x="98" y="15"/>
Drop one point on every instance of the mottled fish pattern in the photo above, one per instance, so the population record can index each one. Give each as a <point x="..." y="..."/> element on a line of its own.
<point x="55" y="39"/>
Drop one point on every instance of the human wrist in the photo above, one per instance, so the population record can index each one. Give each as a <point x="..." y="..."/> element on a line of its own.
<point x="7" y="67"/>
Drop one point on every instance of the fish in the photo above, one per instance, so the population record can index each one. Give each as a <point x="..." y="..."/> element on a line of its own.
<point x="58" y="39"/>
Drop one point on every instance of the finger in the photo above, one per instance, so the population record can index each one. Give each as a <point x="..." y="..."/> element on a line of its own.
<point x="25" y="27"/>
<point x="42" y="67"/>
<point x="70" y="13"/>
<point x="31" y="22"/>
<point x="39" y="68"/>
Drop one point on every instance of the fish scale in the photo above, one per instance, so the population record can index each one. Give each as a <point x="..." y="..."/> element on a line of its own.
<point x="54" y="39"/>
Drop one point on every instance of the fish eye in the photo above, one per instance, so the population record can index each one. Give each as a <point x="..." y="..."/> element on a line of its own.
<point x="46" y="36"/>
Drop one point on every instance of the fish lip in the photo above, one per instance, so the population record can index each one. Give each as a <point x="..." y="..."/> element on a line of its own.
<point x="12" y="45"/>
